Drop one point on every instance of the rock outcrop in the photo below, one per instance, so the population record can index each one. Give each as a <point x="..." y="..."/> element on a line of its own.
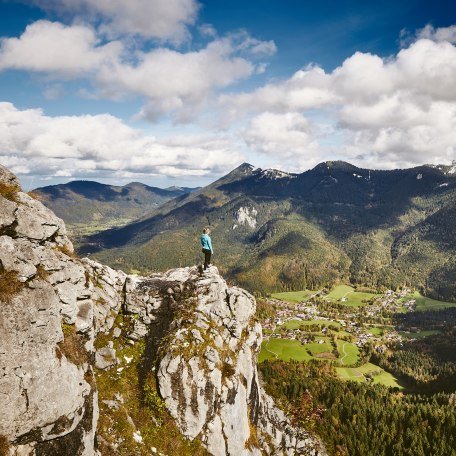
<point x="201" y="333"/>
<point x="207" y="364"/>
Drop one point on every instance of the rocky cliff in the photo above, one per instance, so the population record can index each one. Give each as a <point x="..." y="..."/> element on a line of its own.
<point x="64" y="322"/>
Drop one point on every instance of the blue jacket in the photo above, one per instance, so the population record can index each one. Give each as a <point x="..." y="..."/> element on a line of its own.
<point x="206" y="242"/>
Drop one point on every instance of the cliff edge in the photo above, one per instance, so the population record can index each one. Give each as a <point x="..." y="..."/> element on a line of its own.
<point x="60" y="316"/>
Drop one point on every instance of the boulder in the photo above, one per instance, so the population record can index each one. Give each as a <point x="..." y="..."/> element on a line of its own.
<point x="7" y="212"/>
<point x="105" y="358"/>
<point x="8" y="178"/>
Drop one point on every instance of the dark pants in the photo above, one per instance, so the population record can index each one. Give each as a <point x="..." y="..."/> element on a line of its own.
<point x="207" y="257"/>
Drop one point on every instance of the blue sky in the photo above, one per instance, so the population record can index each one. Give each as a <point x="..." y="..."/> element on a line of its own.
<point x="178" y="92"/>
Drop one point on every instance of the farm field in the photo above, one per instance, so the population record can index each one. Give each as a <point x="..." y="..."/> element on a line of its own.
<point x="376" y="331"/>
<point x="321" y="348"/>
<point x="354" y="298"/>
<point x="293" y="296"/>
<point x="348" y="352"/>
<point x="424" y="303"/>
<point x="283" y="349"/>
<point x="286" y="347"/>
<point x="379" y="375"/>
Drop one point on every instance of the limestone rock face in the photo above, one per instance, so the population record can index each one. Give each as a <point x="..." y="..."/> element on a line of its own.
<point x="48" y="323"/>
<point x="52" y="308"/>
<point x="207" y="368"/>
<point x="29" y="336"/>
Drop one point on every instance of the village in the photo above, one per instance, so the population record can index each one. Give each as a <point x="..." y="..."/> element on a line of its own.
<point x="320" y="318"/>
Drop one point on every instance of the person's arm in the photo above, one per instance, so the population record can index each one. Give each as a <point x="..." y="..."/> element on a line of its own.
<point x="210" y="244"/>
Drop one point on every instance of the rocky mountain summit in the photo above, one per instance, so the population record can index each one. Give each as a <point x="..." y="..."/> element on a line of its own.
<point x="61" y="320"/>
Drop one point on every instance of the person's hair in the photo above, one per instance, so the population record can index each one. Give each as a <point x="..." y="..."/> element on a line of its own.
<point x="206" y="230"/>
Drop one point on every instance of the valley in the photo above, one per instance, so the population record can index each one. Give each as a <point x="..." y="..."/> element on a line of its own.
<point x="337" y="358"/>
<point x="89" y="207"/>
<point x="344" y="331"/>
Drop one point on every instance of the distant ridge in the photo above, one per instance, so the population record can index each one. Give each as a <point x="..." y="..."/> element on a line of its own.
<point x="276" y="231"/>
<point x="88" y="206"/>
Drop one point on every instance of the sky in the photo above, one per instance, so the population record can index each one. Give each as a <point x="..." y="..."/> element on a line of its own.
<point x="180" y="92"/>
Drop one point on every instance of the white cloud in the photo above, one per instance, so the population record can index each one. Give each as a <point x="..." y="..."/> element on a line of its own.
<point x="53" y="91"/>
<point x="207" y="30"/>
<point x="253" y="46"/>
<point x="51" y="47"/>
<point x="101" y="145"/>
<point x="372" y="110"/>
<point x="286" y="136"/>
<point x="397" y="111"/>
<point x="438" y="34"/>
<point x="173" y="81"/>
<point x="169" y="81"/>
<point x="161" y="19"/>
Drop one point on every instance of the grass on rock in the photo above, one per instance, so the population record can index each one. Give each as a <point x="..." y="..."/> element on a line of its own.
<point x="140" y="409"/>
<point x="10" y="286"/>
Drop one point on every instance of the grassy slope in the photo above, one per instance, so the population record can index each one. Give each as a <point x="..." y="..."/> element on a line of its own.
<point x="89" y="207"/>
<point x="379" y="375"/>
<point x="293" y="296"/>
<point x="295" y="324"/>
<point x="348" y="352"/>
<point x="354" y="298"/>
<point x="425" y="303"/>
<point x="384" y="232"/>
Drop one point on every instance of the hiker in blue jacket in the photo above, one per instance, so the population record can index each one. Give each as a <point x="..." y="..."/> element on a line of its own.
<point x="207" y="247"/>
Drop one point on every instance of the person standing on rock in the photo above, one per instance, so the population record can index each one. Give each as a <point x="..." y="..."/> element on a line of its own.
<point x="207" y="247"/>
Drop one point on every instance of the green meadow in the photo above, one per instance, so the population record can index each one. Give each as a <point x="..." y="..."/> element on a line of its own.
<point x="376" y="331"/>
<point x="378" y="375"/>
<point x="283" y="349"/>
<point x="354" y="298"/>
<point x="293" y="296"/>
<point x="348" y="352"/>
<point x="424" y="303"/>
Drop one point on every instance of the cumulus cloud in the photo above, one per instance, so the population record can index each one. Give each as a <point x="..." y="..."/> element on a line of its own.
<point x="51" y="47"/>
<point x="438" y="34"/>
<point x="173" y="81"/>
<point x="286" y="136"/>
<point x="98" y="145"/>
<point x="161" y="19"/>
<point x="170" y="81"/>
<point x="381" y="111"/>
<point x="391" y="111"/>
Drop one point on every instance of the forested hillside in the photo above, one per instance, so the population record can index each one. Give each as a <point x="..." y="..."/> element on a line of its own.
<point x="277" y="231"/>
<point x="88" y="206"/>
<point x="359" y="419"/>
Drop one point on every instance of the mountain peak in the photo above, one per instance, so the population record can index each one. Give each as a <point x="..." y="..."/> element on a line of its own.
<point x="246" y="168"/>
<point x="338" y="165"/>
<point x="241" y="172"/>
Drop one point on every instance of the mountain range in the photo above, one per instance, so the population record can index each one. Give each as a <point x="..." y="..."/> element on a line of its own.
<point x="88" y="206"/>
<point x="273" y="230"/>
